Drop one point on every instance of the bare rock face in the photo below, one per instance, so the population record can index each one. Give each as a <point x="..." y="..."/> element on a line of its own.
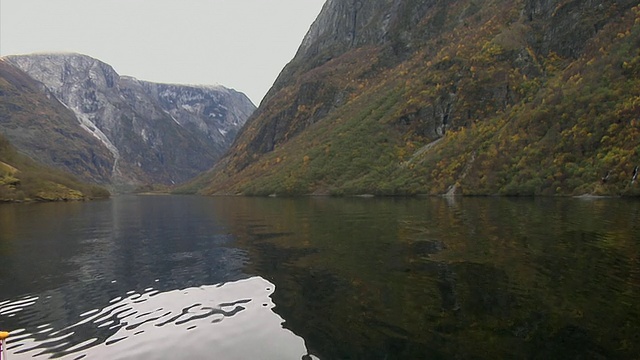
<point x="216" y="111"/>
<point x="156" y="133"/>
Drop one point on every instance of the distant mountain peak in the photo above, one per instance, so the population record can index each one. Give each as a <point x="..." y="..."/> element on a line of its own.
<point x="157" y="133"/>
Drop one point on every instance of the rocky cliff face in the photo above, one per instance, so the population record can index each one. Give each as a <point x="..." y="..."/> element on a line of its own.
<point x="155" y="133"/>
<point x="426" y="96"/>
<point x="215" y="111"/>
<point x="44" y="129"/>
<point x="345" y="25"/>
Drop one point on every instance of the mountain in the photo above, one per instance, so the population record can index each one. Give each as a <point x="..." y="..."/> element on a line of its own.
<point x="153" y="133"/>
<point x="43" y="128"/>
<point x="403" y="97"/>
<point x="22" y="179"/>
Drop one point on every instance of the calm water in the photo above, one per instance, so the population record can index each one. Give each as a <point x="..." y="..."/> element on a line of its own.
<point x="162" y="277"/>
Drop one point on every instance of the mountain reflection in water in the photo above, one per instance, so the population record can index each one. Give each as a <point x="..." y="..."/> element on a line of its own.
<point x="351" y="278"/>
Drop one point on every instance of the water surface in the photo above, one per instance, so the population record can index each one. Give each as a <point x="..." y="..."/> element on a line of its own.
<point x="163" y="277"/>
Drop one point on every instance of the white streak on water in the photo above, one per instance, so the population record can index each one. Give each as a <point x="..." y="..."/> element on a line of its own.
<point x="233" y="320"/>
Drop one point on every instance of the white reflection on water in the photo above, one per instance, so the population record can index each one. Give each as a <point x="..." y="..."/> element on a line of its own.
<point x="227" y="321"/>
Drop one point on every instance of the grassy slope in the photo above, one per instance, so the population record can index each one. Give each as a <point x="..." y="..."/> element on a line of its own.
<point x="520" y="120"/>
<point x="22" y="179"/>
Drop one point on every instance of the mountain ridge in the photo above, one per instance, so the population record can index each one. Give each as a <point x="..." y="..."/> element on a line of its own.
<point x="156" y="133"/>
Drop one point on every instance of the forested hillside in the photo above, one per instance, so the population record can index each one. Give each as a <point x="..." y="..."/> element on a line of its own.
<point x="22" y="179"/>
<point x="459" y="97"/>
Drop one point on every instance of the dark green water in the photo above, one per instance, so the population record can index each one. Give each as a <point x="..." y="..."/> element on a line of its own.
<point x="162" y="277"/>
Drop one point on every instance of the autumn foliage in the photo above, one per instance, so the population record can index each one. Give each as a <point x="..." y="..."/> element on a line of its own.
<point x="488" y="105"/>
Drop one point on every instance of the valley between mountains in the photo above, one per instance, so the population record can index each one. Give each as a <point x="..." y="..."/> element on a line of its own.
<point x="75" y="113"/>
<point x="384" y="97"/>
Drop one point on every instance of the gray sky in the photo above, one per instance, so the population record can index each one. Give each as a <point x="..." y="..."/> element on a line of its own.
<point x="242" y="44"/>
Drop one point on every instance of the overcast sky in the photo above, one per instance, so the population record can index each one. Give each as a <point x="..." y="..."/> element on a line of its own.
<point x="242" y="44"/>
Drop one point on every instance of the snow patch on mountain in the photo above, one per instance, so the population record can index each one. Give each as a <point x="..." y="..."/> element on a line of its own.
<point x="157" y="133"/>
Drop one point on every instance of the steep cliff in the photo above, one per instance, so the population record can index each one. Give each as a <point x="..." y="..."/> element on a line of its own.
<point x="44" y="129"/>
<point x="424" y="96"/>
<point x="155" y="133"/>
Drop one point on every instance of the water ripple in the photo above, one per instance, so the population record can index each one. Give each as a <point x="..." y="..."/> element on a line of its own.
<point x="8" y="308"/>
<point x="233" y="320"/>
